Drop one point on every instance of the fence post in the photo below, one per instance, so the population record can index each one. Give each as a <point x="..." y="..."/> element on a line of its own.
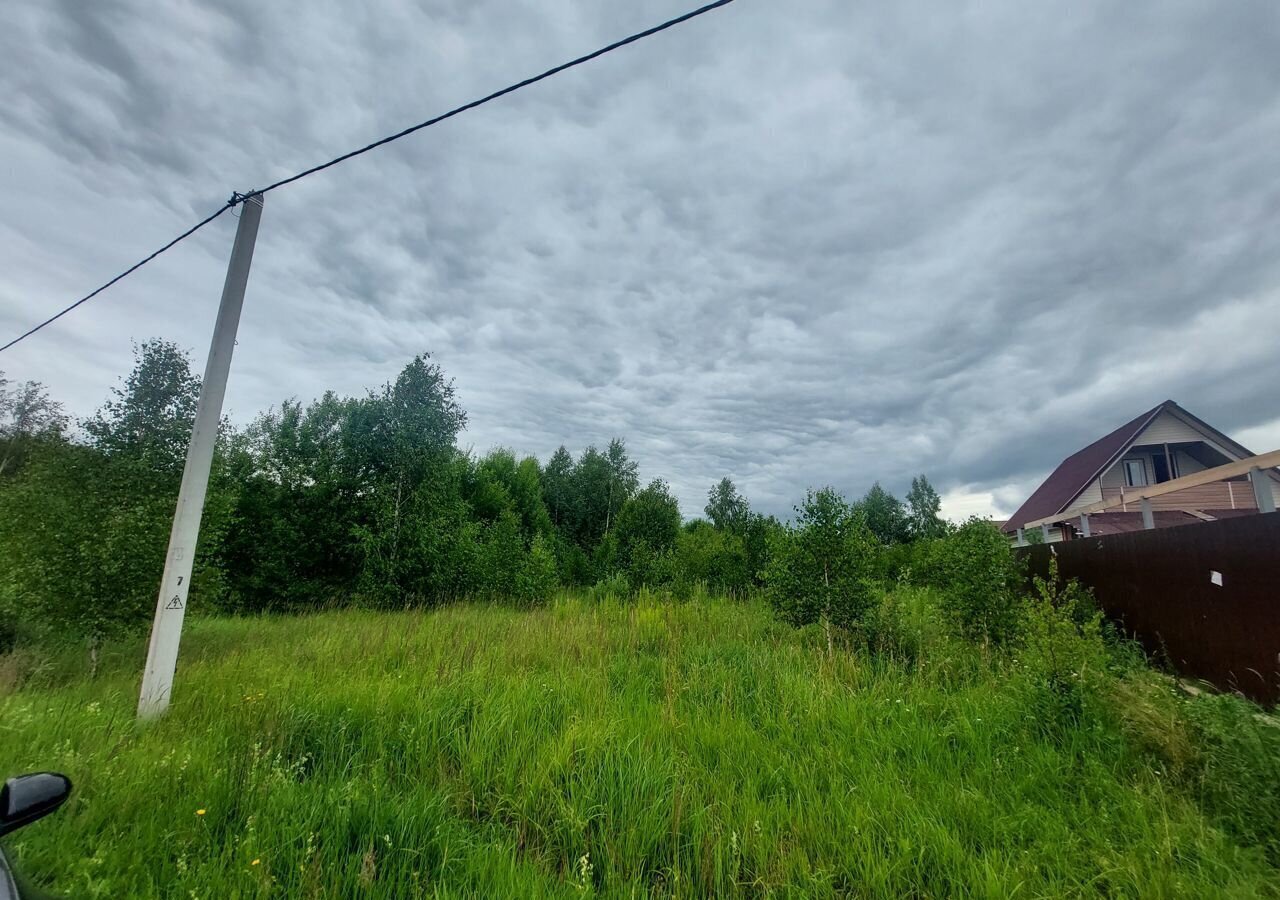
<point x="1266" y="500"/>
<point x="1148" y="520"/>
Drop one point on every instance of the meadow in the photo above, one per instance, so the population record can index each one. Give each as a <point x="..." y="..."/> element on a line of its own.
<point x="599" y="746"/>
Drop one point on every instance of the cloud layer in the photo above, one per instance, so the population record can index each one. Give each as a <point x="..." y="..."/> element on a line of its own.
<point x="795" y="244"/>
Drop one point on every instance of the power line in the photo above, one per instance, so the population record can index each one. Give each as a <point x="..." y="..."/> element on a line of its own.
<point x="133" y="268"/>
<point x="510" y="89"/>
<point x="640" y="35"/>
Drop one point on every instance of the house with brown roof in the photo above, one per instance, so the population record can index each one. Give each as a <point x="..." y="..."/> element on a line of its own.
<point x="1162" y="444"/>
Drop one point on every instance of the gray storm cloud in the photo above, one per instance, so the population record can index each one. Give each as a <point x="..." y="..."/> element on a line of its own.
<point x="797" y="244"/>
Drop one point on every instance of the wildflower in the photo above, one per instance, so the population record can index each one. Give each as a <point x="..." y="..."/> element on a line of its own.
<point x="199" y="812"/>
<point x="255" y="862"/>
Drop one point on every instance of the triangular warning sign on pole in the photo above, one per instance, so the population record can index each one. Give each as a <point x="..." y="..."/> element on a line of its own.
<point x="175" y="603"/>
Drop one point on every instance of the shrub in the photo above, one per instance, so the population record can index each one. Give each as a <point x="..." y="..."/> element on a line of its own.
<point x="615" y="587"/>
<point x="574" y="564"/>
<point x="755" y="543"/>
<point x="713" y="556"/>
<point x="1062" y="656"/>
<point x="648" y="526"/>
<point x="821" y="570"/>
<point x="905" y="625"/>
<point x="537" y="577"/>
<point x="82" y="545"/>
<point x="885" y="629"/>
<point x="647" y="567"/>
<point x="980" y="579"/>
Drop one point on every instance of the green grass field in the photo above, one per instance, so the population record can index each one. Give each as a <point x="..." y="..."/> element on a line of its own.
<point x="622" y="750"/>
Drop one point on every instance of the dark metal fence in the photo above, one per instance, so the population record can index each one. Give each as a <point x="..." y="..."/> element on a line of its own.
<point x="1206" y="596"/>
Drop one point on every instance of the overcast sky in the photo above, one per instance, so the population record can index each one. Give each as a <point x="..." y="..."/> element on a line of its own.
<point x="795" y="243"/>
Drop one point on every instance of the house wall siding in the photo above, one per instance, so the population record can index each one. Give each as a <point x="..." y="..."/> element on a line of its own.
<point x="1169" y="429"/>
<point x="1091" y="494"/>
<point x="1113" y="477"/>
<point x="1186" y="464"/>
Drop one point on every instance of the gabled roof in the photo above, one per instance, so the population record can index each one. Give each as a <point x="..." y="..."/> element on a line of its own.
<point x="1076" y="471"/>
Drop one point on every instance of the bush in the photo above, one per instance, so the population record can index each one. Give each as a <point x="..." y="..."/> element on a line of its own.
<point x="82" y="546"/>
<point x="537" y="578"/>
<point x="713" y="556"/>
<point x="981" y="581"/>
<point x="615" y="587"/>
<point x="648" y="527"/>
<point x="899" y="625"/>
<point x="914" y="562"/>
<point x="1062" y="657"/>
<point x="573" y="563"/>
<point x="647" y="567"/>
<point x="422" y="549"/>
<point x="822" y="569"/>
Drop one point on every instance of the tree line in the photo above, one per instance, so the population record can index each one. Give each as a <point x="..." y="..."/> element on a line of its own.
<point x="369" y="500"/>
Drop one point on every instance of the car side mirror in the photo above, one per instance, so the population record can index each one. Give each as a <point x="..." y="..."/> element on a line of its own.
<point x="25" y="798"/>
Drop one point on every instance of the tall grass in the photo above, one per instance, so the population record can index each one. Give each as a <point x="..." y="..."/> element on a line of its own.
<point x="620" y="749"/>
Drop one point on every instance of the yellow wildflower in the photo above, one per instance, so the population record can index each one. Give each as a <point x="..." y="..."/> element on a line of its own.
<point x="199" y="812"/>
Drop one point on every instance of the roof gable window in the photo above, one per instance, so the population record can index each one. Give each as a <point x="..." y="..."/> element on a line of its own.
<point x="1135" y="473"/>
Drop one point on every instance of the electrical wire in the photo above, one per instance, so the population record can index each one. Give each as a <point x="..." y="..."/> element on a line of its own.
<point x="129" y="271"/>
<point x="511" y="89"/>
<point x="240" y="198"/>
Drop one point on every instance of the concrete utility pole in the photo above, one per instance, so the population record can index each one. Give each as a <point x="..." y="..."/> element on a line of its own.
<point x="166" y="631"/>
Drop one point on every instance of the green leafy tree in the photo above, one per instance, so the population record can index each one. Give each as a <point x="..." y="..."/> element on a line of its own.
<point x="538" y="576"/>
<point x="402" y="439"/>
<point x="27" y="416"/>
<point x="602" y="484"/>
<point x="623" y="480"/>
<point x="82" y="542"/>
<point x="757" y="537"/>
<point x="884" y="515"/>
<point x="501" y="483"/>
<point x="354" y="494"/>
<point x="711" y="555"/>
<point x="424" y="547"/>
<point x="821" y="569"/>
<point x="149" y="417"/>
<point x="648" y="526"/>
<point x="558" y="490"/>
<point x="591" y="498"/>
<point x="923" y="508"/>
<point x="727" y="509"/>
<point x="396" y="436"/>
<point x="85" y="527"/>
<point x="981" y="582"/>
<point x="301" y="496"/>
